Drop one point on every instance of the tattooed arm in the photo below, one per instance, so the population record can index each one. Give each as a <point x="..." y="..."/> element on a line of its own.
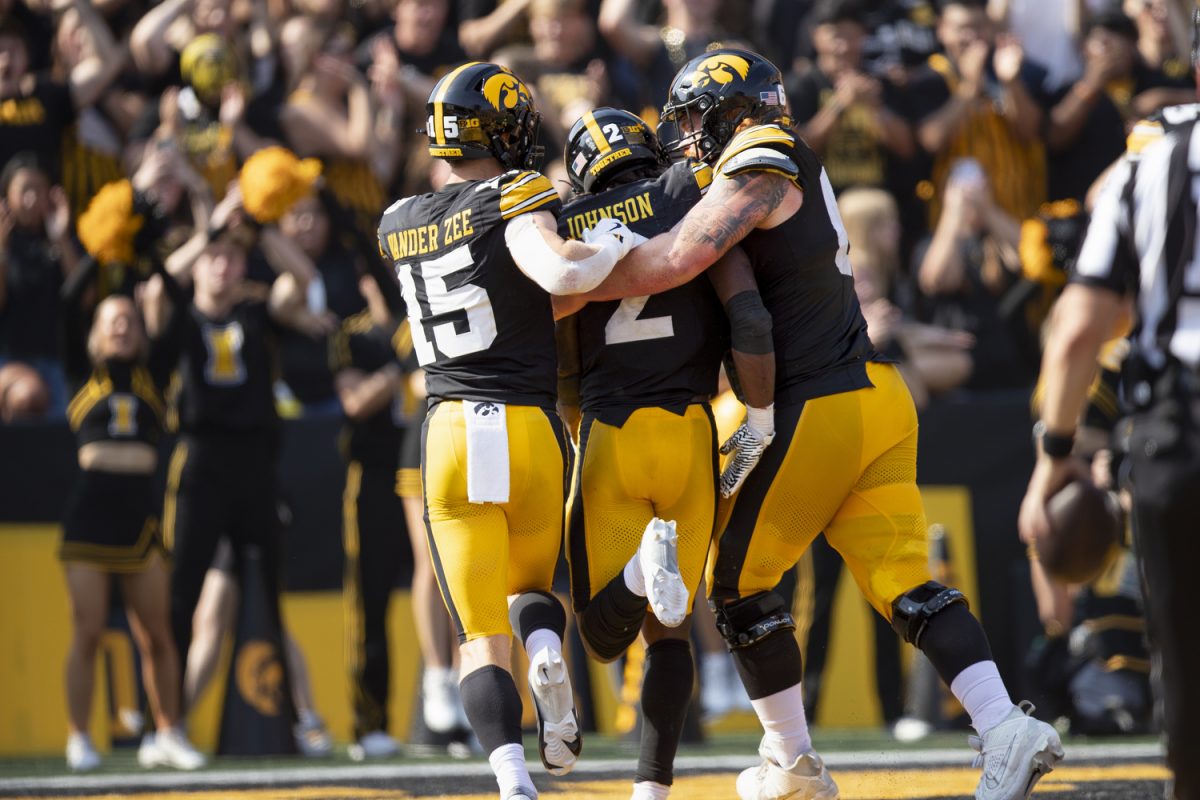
<point x="732" y="208"/>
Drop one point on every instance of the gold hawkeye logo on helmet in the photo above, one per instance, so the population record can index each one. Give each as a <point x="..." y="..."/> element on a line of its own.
<point x="721" y="69"/>
<point x="505" y="91"/>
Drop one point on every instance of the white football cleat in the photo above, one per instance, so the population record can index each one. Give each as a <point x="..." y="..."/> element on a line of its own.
<point x="521" y="793"/>
<point x="1015" y="755"/>
<point x="439" y="706"/>
<point x="174" y="750"/>
<point x="659" y="559"/>
<point x="804" y="779"/>
<point x="81" y="754"/>
<point x="147" y="754"/>
<point x="559" y="738"/>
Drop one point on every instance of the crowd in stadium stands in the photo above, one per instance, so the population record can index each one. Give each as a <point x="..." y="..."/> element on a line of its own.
<point x="963" y="139"/>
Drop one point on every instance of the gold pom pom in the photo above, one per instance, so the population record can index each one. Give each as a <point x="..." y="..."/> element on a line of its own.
<point x="273" y="179"/>
<point x="108" y="227"/>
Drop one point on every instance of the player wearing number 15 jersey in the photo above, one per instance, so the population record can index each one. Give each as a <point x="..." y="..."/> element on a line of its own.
<point x="645" y="489"/>
<point x="477" y="262"/>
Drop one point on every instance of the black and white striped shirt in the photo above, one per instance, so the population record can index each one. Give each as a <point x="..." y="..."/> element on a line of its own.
<point x="1133" y="230"/>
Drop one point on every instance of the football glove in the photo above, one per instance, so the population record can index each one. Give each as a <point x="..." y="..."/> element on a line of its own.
<point x="612" y="233"/>
<point x="747" y="445"/>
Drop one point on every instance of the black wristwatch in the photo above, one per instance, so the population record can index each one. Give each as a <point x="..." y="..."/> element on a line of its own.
<point x="1055" y="445"/>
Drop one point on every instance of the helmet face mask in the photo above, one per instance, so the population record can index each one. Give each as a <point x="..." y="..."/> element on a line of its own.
<point x="482" y="110"/>
<point x="607" y="143"/>
<point x="724" y="88"/>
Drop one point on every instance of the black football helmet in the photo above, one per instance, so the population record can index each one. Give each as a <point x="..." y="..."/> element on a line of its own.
<point x="482" y="110"/>
<point x="724" y="87"/>
<point x="606" y="143"/>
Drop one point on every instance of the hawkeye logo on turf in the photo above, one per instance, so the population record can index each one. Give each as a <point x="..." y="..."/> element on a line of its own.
<point x="260" y="677"/>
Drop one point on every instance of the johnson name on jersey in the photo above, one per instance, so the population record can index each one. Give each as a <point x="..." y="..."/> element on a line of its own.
<point x="481" y="329"/>
<point x="661" y="350"/>
<point x="803" y="271"/>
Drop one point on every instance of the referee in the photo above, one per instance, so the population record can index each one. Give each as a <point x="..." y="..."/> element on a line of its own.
<point x="1139" y="261"/>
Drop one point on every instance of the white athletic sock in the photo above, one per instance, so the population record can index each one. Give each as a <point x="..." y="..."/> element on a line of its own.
<point x="543" y="637"/>
<point x="981" y="691"/>
<point x="508" y="764"/>
<point x="649" y="790"/>
<point x="634" y="578"/>
<point x="782" y="717"/>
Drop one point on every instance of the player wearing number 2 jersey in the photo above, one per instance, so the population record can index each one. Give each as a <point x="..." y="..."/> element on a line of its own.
<point x="477" y="262"/>
<point x="645" y="490"/>
<point x="844" y="460"/>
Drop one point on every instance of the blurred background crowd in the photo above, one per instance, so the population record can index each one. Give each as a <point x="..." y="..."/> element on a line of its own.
<point x="943" y="127"/>
<point x="963" y="139"/>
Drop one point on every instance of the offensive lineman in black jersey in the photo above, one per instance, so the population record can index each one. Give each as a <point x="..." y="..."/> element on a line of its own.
<point x="477" y="262"/>
<point x="647" y="442"/>
<point x="844" y="459"/>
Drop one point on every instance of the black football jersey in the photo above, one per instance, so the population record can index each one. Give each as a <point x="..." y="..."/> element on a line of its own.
<point x="657" y="350"/>
<point x="481" y="329"/>
<point x="227" y="370"/>
<point x="803" y="273"/>
<point x="119" y="403"/>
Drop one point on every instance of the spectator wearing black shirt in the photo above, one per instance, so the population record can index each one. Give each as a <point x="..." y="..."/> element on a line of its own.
<point x="569" y="69"/>
<point x="36" y="109"/>
<point x="1089" y="122"/>
<point x="983" y="100"/>
<point x="333" y="292"/>
<point x="37" y="253"/>
<point x="970" y="263"/>
<point x="425" y="43"/>
<point x="851" y="119"/>
<point x="331" y="115"/>
<point x="658" y="52"/>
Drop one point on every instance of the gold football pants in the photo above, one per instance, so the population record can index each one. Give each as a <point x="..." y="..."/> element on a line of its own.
<point x="483" y="552"/>
<point x="845" y="464"/>
<point x="658" y="464"/>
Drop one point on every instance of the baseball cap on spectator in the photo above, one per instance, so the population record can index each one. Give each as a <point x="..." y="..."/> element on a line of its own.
<point x="1114" y="21"/>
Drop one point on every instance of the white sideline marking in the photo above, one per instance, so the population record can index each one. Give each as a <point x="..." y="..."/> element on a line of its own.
<point x="356" y="772"/>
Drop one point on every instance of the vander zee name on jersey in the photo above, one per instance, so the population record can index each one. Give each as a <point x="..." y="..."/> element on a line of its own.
<point x="425" y="239"/>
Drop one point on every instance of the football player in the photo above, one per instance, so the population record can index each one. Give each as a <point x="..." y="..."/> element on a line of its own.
<point x="844" y="456"/>
<point x="646" y="481"/>
<point x="477" y="263"/>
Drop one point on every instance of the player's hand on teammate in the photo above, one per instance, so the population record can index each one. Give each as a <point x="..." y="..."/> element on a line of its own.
<point x="746" y="445"/>
<point x="608" y="231"/>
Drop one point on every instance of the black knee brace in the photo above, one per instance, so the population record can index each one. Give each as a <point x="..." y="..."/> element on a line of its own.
<point x="748" y="621"/>
<point x="912" y="610"/>
<point x="532" y="611"/>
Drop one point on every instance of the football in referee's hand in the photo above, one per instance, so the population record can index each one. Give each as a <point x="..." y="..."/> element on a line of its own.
<point x="1085" y="526"/>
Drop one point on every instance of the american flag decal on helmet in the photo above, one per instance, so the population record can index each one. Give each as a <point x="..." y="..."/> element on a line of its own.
<point x="771" y="98"/>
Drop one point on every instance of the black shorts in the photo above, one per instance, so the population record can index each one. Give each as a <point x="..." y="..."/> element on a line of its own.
<point x="111" y="521"/>
<point x="408" y="477"/>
